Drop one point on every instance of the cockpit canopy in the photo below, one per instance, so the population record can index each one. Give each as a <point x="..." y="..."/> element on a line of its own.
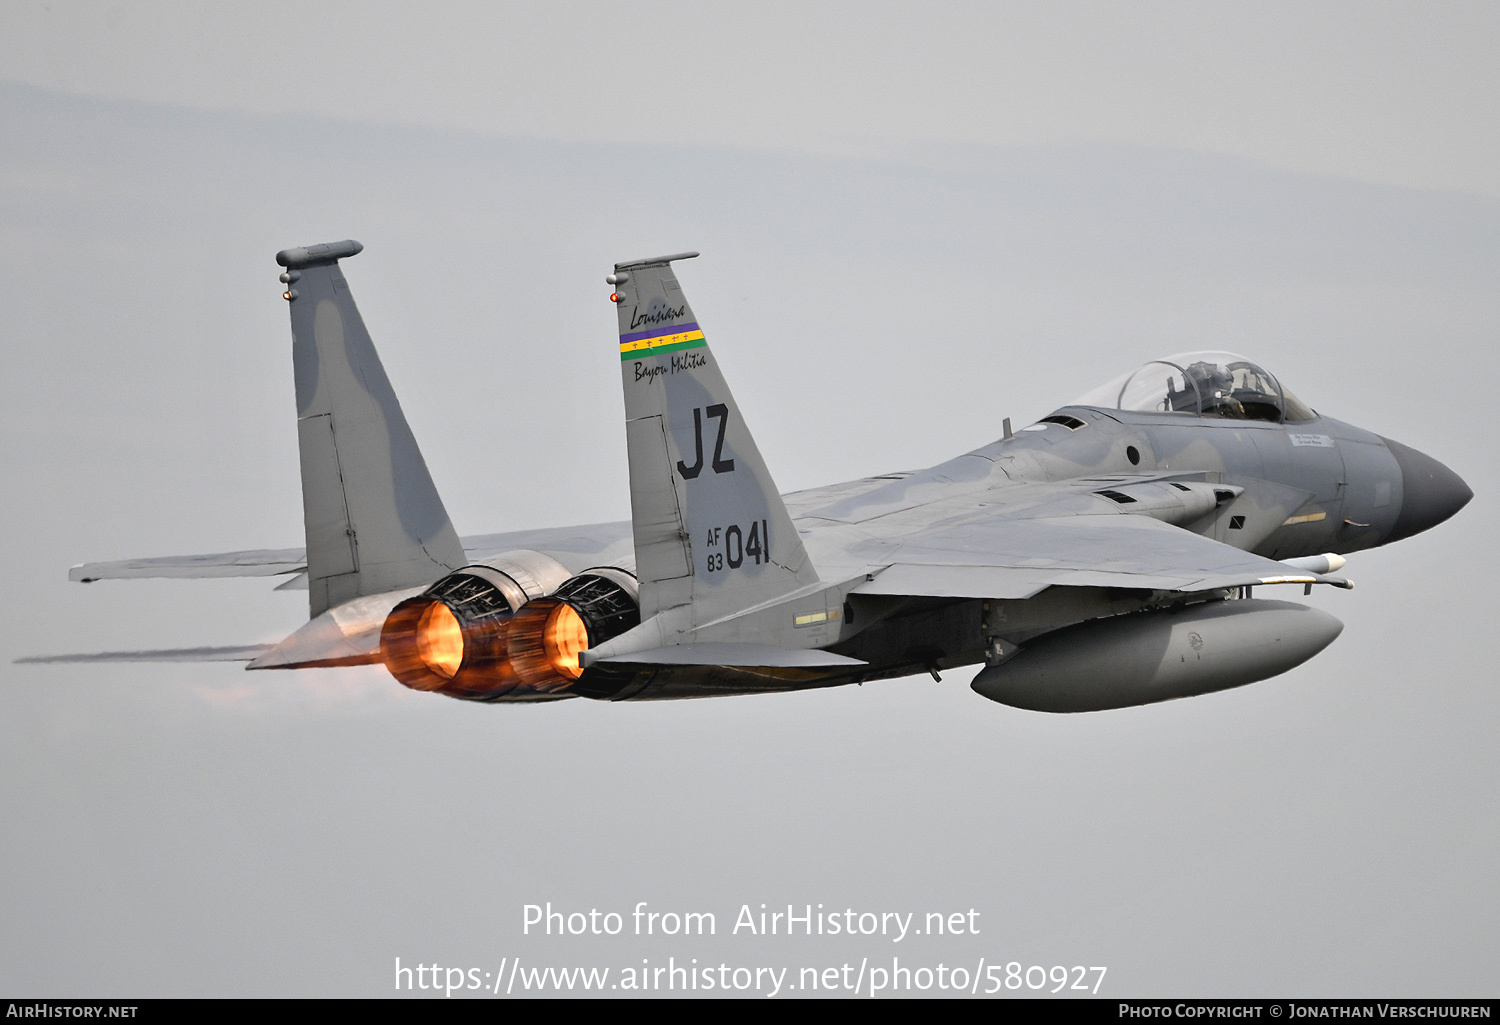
<point x="1218" y="384"/>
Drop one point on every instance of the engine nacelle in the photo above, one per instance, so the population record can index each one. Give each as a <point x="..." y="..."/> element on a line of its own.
<point x="1142" y="657"/>
<point x="452" y="638"/>
<point x="546" y="637"/>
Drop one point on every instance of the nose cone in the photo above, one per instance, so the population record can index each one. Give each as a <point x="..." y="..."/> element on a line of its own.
<point x="1430" y="491"/>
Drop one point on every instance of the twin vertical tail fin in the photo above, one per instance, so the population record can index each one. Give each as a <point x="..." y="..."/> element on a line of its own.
<point x="374" y="520"/>
<point x="711" y="530"/>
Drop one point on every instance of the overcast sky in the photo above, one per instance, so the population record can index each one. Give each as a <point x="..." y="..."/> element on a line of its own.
<point x="1396" y="93"/>
<point x="1041" y="197"/>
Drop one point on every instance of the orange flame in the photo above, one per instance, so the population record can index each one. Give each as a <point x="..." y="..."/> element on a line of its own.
<point x="563" y="638"/>
<point x="440" y="640"/>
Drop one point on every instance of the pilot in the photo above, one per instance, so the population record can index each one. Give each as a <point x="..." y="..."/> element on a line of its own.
<point x="1216" y="387"/>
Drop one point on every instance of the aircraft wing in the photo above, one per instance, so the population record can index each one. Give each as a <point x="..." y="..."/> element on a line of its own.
<point x="1017" y="558"/>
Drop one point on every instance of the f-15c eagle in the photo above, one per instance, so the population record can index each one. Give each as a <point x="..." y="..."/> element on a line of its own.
<point x="1102" y="557"/>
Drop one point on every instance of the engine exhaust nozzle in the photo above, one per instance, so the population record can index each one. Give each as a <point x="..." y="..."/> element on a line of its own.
<point x="452" y="638"/>
<point x="547" y="635"/>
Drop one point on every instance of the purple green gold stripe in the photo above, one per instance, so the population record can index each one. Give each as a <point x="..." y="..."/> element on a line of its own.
<point x="657" y="332"/>
<point x="675" y="341"/>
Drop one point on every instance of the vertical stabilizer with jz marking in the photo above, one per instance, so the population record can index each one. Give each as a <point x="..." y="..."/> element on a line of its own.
<point x="374" y="520"/>
<point x="711" y="530"/>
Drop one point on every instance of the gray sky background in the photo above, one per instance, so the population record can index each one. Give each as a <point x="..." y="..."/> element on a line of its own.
<point x="912" y="226"/>
<point x="1382" y="92"/>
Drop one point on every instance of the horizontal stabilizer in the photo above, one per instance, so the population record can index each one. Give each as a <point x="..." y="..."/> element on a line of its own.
<point x="589" y="543"/>
<point x="734" y="654"/>
<point x="237" y="653"/>
<point x="262" y="562"/>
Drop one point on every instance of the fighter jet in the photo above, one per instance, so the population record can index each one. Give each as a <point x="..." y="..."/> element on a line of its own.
<point x="1107" y="555"/>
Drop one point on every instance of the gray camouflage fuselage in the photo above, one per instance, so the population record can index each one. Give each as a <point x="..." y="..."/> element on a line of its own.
<point x="1308" y="488"/>
<point x="1102" y="557"/>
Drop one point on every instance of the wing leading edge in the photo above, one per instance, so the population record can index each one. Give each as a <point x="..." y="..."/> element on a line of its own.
<point x="1020" y="558"/>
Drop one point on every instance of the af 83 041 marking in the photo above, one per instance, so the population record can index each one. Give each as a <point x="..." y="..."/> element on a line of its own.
<point x="733" y="547"/>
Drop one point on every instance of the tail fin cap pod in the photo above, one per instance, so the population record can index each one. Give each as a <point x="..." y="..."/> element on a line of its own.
<point x="711" y="530"/>
<point x="654" y="261"/>
<point x="323" y="252"/>
<point x="373" y="517"/>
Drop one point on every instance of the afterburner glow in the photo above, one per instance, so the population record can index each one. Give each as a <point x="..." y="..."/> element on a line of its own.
<point x="440" y="640"/>
<point x="563" y="638"/>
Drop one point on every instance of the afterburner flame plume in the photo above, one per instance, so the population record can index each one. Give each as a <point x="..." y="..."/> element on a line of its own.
<point x="563" y="638"/>
<point x="475" y="635"/>
<point x="547" y="635"/>
<point x="398" y="646"/>
<point x="428" y="646"/>
<point x="440" y="640"/>
<point x="533" y="646"/>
